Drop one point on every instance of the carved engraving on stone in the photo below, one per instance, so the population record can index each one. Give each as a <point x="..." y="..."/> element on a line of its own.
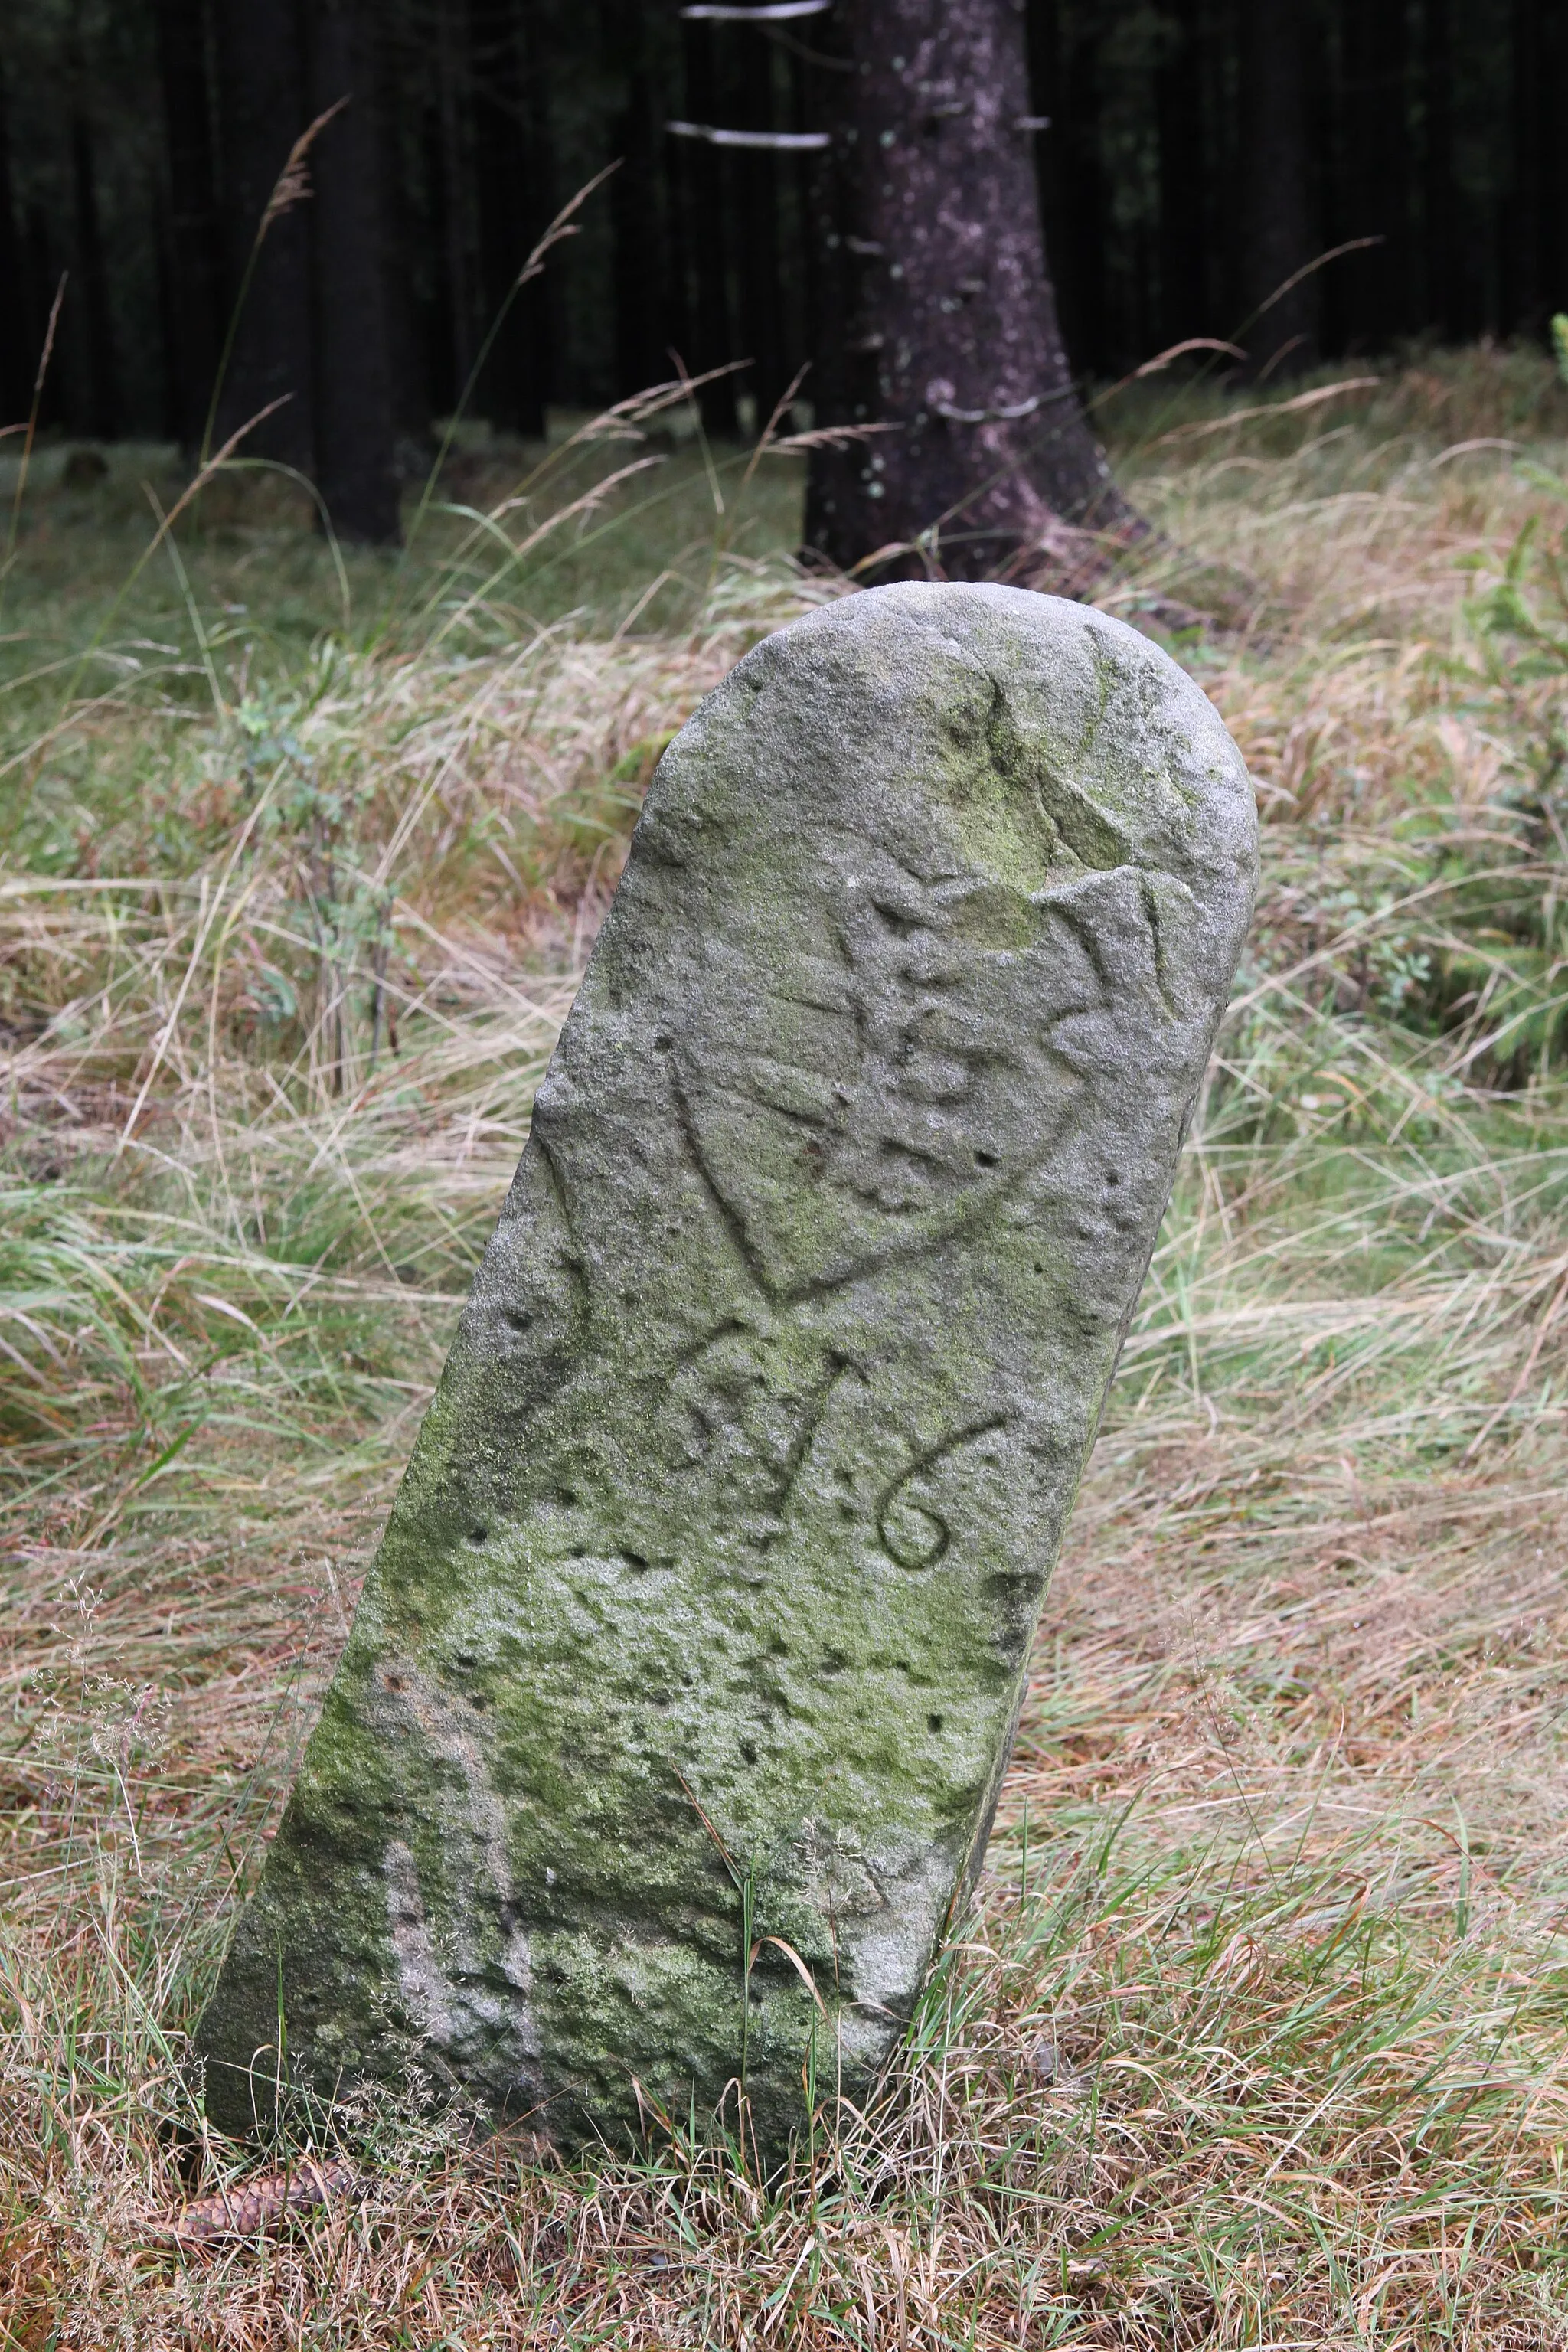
<point x="912" y="1528"/>
<point x="747" y="1405"/>
<point x="467" y="1986"/>
<point x="898" y="1076"/>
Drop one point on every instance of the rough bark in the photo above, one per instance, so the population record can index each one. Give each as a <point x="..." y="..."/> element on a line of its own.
<point x="263" y="110"/>
<point x="1281" y="329"/>
<point x="356" y="470"/>
<point x="196" y="243"/>
<point x="989" y="466"/>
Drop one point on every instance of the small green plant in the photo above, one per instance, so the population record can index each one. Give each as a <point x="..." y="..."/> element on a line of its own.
<point x="1560" y="345"/>
<point x="1519" y="618"/>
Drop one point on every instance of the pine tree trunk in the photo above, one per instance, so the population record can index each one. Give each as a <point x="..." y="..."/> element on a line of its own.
<point x="452" y="78"/>
<point x="1526" y="297"/>
<point x="707" y="213"/>
<point x="1281" y="327"/>
<point x="195" y="246"/>
<point x="953" y="341"/>
<point x="17" y="356"/>
<point x="263" y="110"/>
<point x="403" y="83"/>
<point x="539" y="305"/>
<point x="1393" y="262"/>
<point x="639" y="266"/>
<point x="1438" y="164"/>
<point x="1044" y="39"/>
<point x="1366" y="296"/>
<point x="1076" y="136"/>
<point x="102" y="416"/>
<point x="808" y="182"/>
<point x="501" y="190"/>
<point x="1553" y="114"/>
<point x="1179" y="124"/>
<point x="356" y="471"/>
<point x="763" y="308"/>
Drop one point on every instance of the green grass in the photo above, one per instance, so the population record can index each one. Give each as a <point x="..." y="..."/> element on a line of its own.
<point x="254" y="578"/>
<point x="1260" y="2033"/>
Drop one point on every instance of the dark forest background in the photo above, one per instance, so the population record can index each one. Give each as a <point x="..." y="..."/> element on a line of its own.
<point x="140" y="141"/>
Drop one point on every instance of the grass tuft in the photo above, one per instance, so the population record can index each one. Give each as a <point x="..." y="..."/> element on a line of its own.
<point x="1257" y="2034"/>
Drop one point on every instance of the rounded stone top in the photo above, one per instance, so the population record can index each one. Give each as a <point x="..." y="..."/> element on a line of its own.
<point x="1043" y="739"/>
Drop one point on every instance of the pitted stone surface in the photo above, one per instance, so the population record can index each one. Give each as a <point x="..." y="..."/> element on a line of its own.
<point x="709" y="1593"/>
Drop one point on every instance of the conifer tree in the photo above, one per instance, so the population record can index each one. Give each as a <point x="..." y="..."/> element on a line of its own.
<point x="985" y="462"/>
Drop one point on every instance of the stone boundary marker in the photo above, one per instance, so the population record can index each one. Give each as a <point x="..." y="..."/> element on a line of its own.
<point x="669" y="1732"/>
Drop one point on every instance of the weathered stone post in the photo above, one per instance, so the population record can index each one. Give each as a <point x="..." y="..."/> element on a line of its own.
<point x="670" y="1728"/>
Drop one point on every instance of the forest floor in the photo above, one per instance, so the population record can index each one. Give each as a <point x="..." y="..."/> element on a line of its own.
<point x="1259" y="2034"/>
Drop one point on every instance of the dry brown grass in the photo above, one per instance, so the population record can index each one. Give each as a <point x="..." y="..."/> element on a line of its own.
<point x="1257" y="2037"/>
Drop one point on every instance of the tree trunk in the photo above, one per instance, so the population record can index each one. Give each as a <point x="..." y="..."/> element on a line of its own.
<point x="356" y="469"/>
<point x="955" y="341"/>
<point x="706" y="213"/>
<point x="18" y="358"/>
<point x="44" y="262"/>
<point x="809" y="201"/>
<point x="501" y="190"/>
<point x="402" y="77"/>
<point x="452" y="80"/>
<point x="763" y="305"/>
<point x="1280" y="327"/>
<point x="263" y="112"/>
<point x="1393" y="262"/>
<point x="539" y="305"/>
<point x="1528" y="290"/>
<point x="1179" y="124"/>
<point x="1553" y="113"/>
<point x="195" y="246"/>
<point x="636" y="212"/>
<point x="103" y="412"/>
<point x="833" y="272"/>
<point x="1366" y="297"/>
<point x="1438" y="164"/>
<point x="1076" y="134"/>
<point x="1048" y="99"/>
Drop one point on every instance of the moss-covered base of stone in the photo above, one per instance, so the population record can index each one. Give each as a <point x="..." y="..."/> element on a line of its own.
<point x="332" y="2033"/>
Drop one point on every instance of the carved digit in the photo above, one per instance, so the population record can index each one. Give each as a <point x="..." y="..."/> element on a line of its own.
<point x="912" y="1532"/>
